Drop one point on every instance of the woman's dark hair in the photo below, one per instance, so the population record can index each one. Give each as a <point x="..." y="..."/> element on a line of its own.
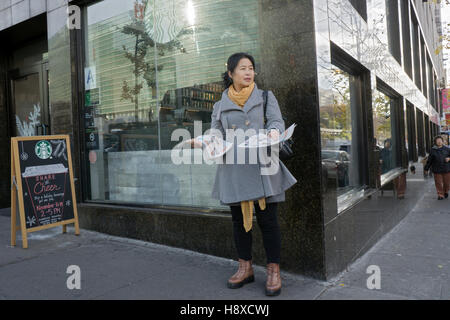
<point x="438" y="137"/>
<point x="232" y="63"/>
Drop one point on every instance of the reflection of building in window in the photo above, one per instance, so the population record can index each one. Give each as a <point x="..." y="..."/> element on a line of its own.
<point x="337" y="133"/>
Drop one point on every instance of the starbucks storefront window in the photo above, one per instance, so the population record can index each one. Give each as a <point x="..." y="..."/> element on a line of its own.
<point x="146" y="77"/>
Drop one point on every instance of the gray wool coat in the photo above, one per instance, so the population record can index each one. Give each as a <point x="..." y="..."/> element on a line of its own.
<point x="241" y="182"/>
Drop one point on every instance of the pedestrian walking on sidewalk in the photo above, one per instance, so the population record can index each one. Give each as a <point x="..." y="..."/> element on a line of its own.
<point x="241" y="186"/>
<point x="439" y="162"/>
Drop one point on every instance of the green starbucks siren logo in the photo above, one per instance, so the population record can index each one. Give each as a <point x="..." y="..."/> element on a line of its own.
<point x="43" y="149"/>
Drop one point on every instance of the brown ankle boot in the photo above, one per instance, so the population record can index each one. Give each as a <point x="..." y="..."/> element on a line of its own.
<point x="273" y="284"/>
<point x="242" y="276"/>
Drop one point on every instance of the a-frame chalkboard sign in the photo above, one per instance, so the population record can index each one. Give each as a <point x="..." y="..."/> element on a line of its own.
<point x="42" y="182"/>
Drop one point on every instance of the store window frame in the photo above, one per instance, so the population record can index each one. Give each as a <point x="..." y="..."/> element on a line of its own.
<point x="393" y="29"/>
<point x="416" y="52"/>
<point x="346" y="63"/>
<point x="78" y="54"/>
<point x="397" y="127"/>
<point x="427" y="133"/>
<point x="433" y="131"/>
<point x="406" y="37"/>
<point x="78" y="46"/>
<point x="420" y="133"/>
<point x="437" y="94"/>
<point x="361" y="7"/>
<point x="431" y="84"/>
<point x="423" y="54"/>
<point x="411" y="130"/>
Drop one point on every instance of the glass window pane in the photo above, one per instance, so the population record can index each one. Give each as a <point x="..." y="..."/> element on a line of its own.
<point x="393" y="28"/>
<point x="26" y="105"/>
<point x="339" y="135"/>
<point x="152" y="68"/>
<point x="385" y="131"/>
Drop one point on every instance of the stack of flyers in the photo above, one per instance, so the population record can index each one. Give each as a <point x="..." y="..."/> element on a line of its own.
<point x="262" y="140"/>
<point x="215" y="147"/>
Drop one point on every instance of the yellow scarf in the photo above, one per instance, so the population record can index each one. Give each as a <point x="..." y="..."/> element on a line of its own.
<point x="240" y="98"/>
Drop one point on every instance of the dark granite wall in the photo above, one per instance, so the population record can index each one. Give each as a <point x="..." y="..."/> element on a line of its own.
<point x="206" y="233"/>
<point x="5" y="168"/>
<point x="288" y="68"/>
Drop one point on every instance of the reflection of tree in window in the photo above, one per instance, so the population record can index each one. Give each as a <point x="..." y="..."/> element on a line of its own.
<point x="383" y="130"/>
<point x="336" y="120"/>
<point x="137" y="56"/>
<point x="381" y="117"/>
<point x="341" y="106"/>
<point x="336" y="127"/>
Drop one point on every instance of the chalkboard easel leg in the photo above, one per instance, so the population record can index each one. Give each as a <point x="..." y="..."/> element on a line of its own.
<point x="24" y="240"/>
<point x="64" y="228"/>
<point x="23" y="228"/>
<point x="77" y="228"/>
<point x="13" y="226"/>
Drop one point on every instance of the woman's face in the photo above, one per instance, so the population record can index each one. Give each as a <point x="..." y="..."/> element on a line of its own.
<point x="439" y="142"/>
<point x="243" y="75"/>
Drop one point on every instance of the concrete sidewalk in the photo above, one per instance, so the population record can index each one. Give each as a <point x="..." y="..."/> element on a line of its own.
<point x="414" y="260"/>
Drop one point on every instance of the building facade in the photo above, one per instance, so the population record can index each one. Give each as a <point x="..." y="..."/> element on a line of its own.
<point x="361" y="79"/>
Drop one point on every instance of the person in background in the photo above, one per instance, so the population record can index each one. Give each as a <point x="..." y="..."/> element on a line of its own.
<point x="385" y="156"/>
<point x="439" y="162"/>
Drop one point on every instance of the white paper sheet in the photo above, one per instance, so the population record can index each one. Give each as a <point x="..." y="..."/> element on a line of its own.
<point x="262" y="140"/>
<point x="215" y="147"/>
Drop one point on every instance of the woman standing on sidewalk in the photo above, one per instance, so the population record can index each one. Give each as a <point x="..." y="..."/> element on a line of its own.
<point x="242" y="186"/>
<point x="439" y="161"/>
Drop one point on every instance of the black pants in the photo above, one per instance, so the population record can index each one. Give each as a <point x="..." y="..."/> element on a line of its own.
<point x="268" y="223"/>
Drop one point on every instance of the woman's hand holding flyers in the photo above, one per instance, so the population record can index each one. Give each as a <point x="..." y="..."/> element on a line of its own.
<point x="273" y="134"/>
<point x="195" y="143"/>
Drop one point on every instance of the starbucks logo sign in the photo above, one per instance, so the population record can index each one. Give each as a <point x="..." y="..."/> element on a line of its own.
<point x="164" y="19"/>
<point x="43" y="149"/>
